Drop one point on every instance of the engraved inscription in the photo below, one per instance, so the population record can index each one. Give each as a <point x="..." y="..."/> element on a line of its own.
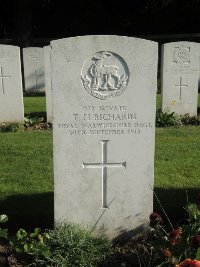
<point x="180" y="85"/>
<point x="181" y="55"/>
<point x="34" y="54"/>
<point x="104" y="120"/>
<point x="103" y="165"/>
<point x="2" y="81"/>
<point x="105" y="75"/>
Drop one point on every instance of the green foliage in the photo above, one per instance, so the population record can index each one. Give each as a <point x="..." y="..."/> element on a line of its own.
<point x="32" y="121"/>
<point x="187" y="120"/>
<point x="9" y="127"/>
<point x="166" y="119"/>
<point x="198" y="254"/>
<point x="33" y="244"/>
<point x="72" y="246"/>
<point x="3" y="231"/>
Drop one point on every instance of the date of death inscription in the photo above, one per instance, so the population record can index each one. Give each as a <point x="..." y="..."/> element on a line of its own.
<point x="104" y="120"/>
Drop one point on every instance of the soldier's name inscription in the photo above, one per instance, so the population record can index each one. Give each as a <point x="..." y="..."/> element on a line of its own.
<point x="104" y="120"/>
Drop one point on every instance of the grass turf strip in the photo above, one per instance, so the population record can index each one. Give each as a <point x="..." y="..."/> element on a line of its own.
<point x="26" y="174"/>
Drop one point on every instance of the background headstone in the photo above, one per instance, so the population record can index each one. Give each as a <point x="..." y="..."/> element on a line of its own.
<point x="33" y="60"/>
<point x="47" y="68"/>
<point x="104" y="101"/>
<point x="11" y="92"/>
<point x="180" y="75"/>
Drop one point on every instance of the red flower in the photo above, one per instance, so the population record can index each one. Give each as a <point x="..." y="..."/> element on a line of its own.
<point x="189" y="263"/>
<point x="167" y="253"/>
<point x="155" y="219"/>
<point x="175" y="235"/>
<point x="196" y="241"/>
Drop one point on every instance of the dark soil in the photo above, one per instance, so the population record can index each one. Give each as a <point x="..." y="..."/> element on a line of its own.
<point x="8" y="258"/>
<point x="42" y="126"/>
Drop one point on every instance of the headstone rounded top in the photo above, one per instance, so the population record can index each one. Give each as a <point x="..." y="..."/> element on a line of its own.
<point x="9" y="46"/>
<point x="96" y="37"/>
<point x="178" y="43"/>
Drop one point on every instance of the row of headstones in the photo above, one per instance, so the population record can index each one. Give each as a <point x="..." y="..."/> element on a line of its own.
<point x="37" y="74"/>
<point x="37" y="78"/>
<point x="104" y="102"/>
<point x="179" y="81"/>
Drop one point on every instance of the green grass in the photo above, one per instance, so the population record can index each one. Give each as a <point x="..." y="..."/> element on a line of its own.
<point x="26" y="178"/>
<point x="177" y="157"/>
<point x="70" y="245"/>
<point x="38" y="104"/>
<point x="26" y="173"/>
<point x="177" y="169"/>
<point x="35" y="104"/>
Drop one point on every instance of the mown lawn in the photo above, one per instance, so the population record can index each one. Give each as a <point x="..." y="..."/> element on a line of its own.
<point x="177" y="157"/>
<point x="38" y="104"/>
<point x="26" y="178"/>
<point x="34" y="104"/>
<point x="26" y="173"/>
<point x="177" y="168"/>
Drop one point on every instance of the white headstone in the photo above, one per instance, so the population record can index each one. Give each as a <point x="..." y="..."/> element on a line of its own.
<point x="11" y="92"/>
<point x="180" y="75"/>
<point x="104" y="99"/>
<point x="47" y="67"/>
<point x="33" y="59"/>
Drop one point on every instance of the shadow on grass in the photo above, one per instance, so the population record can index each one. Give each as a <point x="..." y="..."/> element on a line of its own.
<point x="174" y="201"/>
<point x="28" y="211"/>
<point x="37" y="210"/>
<point x="37" y="115"/>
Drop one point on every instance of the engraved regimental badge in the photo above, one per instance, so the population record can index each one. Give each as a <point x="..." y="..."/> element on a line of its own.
<point x="105" y="75"/>
<point x="181" y="54"/>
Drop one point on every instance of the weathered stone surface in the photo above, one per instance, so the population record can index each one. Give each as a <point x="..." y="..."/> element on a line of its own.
<point x="180" y="75"/>
<point x="11" y="92"/>
<point x="104" y="99"/>
<point x="33" y="59"/>
<point x="47" y="67"/>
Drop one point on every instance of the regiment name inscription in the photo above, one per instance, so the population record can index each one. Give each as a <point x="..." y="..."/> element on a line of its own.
<point x="100" y="120"/>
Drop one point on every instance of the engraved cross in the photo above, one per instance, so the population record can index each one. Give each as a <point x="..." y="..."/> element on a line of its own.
<point x="2" y="81"/>
<point x="180" y="85"/>
<point x="36" y="79"/>
<point x="103" y="165"/>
